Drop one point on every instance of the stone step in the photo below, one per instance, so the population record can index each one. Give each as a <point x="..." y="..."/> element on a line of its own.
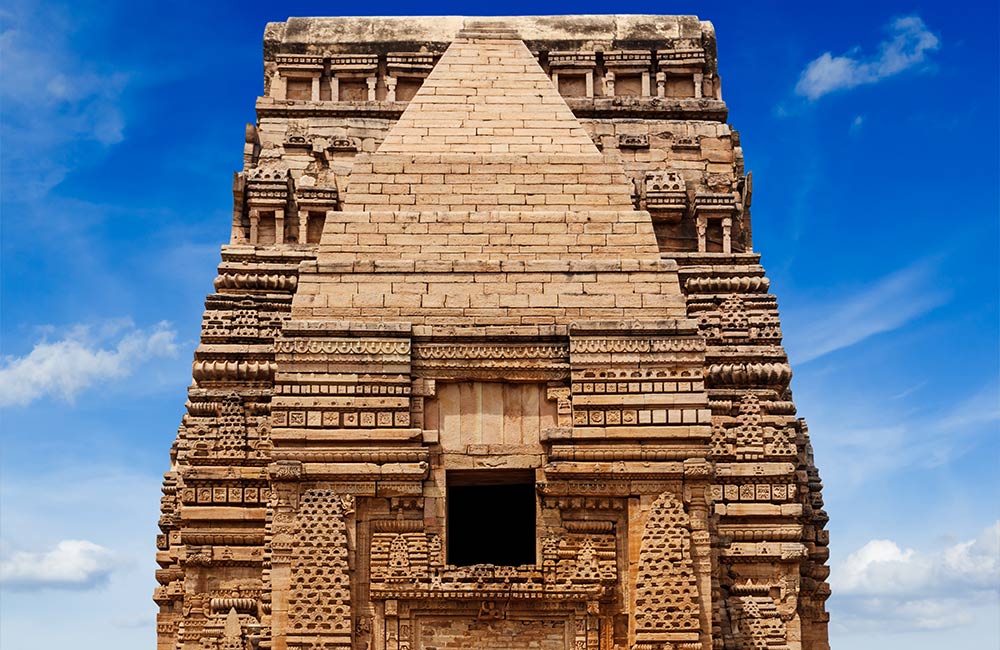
<point x="483" y="35"/>
<point x="479" y="29"/>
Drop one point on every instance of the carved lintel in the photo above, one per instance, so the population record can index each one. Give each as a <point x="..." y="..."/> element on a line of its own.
<point x="424" y="387"/>
<point x="285" y="470"/>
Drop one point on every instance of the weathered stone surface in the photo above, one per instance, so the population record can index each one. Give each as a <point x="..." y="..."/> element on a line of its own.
<point x="507" y="263"/>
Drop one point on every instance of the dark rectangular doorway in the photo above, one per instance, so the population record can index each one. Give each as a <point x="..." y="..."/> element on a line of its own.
<point x="491" y="518"/>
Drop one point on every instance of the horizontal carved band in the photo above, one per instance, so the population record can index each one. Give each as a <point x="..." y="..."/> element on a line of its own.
<point x="625" y="452"/>
<point x="244" y="605"/>
<point x="392" y="526"/>
<point x="595" y="345"/>
<point x="223" y="538"/>
<point x="233" y="370"/>
<point x="354" y="455"/>
<point x="788" y="551"/>
<point x="751" y="533"/>
<point x="606" y="527"/>
<point x="345" y="346"/>
<point x="459" y="351"/>
<point x="262" y="281"/>
<point x="749" y="374"/>
<point x="740" y="284"/>
<point x="527" y="371"/>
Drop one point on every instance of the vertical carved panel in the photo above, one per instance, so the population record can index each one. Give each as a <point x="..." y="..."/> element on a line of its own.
<point x="760" y="623"/>
<point x="320" y="598"/>
<point x="666" y="588"/>
<point x="749" y="432"/>
<point x="232" y="435"/>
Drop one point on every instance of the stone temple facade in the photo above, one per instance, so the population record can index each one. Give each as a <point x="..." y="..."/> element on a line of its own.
<point x="490" y="362"/>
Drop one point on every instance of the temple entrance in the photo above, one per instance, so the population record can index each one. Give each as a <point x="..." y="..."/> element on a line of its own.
<point x="491" y="518"/>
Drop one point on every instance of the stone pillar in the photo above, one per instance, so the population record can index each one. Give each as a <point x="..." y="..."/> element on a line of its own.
<point x="699" y="79"/>
<point x="278" y="86"/>
<point x="661" y="84"/>
<point x="727" y="229"/>
<point x="254" y="222"/>
<point x="287" y="494"/>
<point x="390" y="89"/>
<point x="371" y="88"/>
<point x="609" y="84"/>
<point x="589" y="77"/>
<point x="555" y="79"/>
<point x="646" y="92"/>
<point x="303" y="226"/>
<point x="702" y="234"/>
<point x="391" y="625"/>
<point x="593" y="626"/>
<point x="238" y="235"/>
<point x="334" y="88"/>
<point x="279" y="226"/>
<point x="315" y="89"/>
<point x="636" y="513"/>
<point x="697" y="473"/>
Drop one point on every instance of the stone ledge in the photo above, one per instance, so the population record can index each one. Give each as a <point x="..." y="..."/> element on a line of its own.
<point x="532" y="332"/>
<point x="713" y="110"/>
<point x="605" y="107"/>
<point x="345" y="328"/>
<point x="630" y="327"/>
<point x="490" y="266"/>
<point x="714" y="261"/>
<point x="367" y="31"/>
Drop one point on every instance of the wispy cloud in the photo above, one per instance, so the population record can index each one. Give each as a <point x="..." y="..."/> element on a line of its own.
<point x="72" y="564"/>
<point x="873" y="440"/>
<point x="82" y="358"/>
<point x="907" y="45"/>
<point x="58" y="110"/>
<point x="814" y="330"/>
<point x="883" y="585"/>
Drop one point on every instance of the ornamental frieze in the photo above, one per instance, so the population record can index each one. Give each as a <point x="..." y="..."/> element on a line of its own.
<point x="343" y="346"/>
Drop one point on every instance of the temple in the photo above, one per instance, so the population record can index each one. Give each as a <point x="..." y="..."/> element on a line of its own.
<point x="490" y="362"/>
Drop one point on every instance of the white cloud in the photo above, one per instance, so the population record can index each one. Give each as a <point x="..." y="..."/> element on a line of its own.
<point x="110" y="504"/>
<point x="907" y="45"/>
<point x="65" y="367"/>
<point x="882" y="584"/>
<point x="818" y="329"/>
<point x="72" y="564"/>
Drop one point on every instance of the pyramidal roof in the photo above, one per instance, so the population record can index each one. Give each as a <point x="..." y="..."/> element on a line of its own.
<point x="487" y="94"/>
<point x="487" y="131"/>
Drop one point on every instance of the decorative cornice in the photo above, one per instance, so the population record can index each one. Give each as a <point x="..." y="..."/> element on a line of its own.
<point x="736" y="284"/>
<point x="256" y="281"/>
<point x="497" y="352"/>
<point x="343" y="346"/>
<point x="635" y="345"/>
<point x="749" y="374"/>
<point x="233" y="370"/>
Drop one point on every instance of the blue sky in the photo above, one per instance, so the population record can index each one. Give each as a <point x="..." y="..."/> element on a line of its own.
<point x="872" y="132"/>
